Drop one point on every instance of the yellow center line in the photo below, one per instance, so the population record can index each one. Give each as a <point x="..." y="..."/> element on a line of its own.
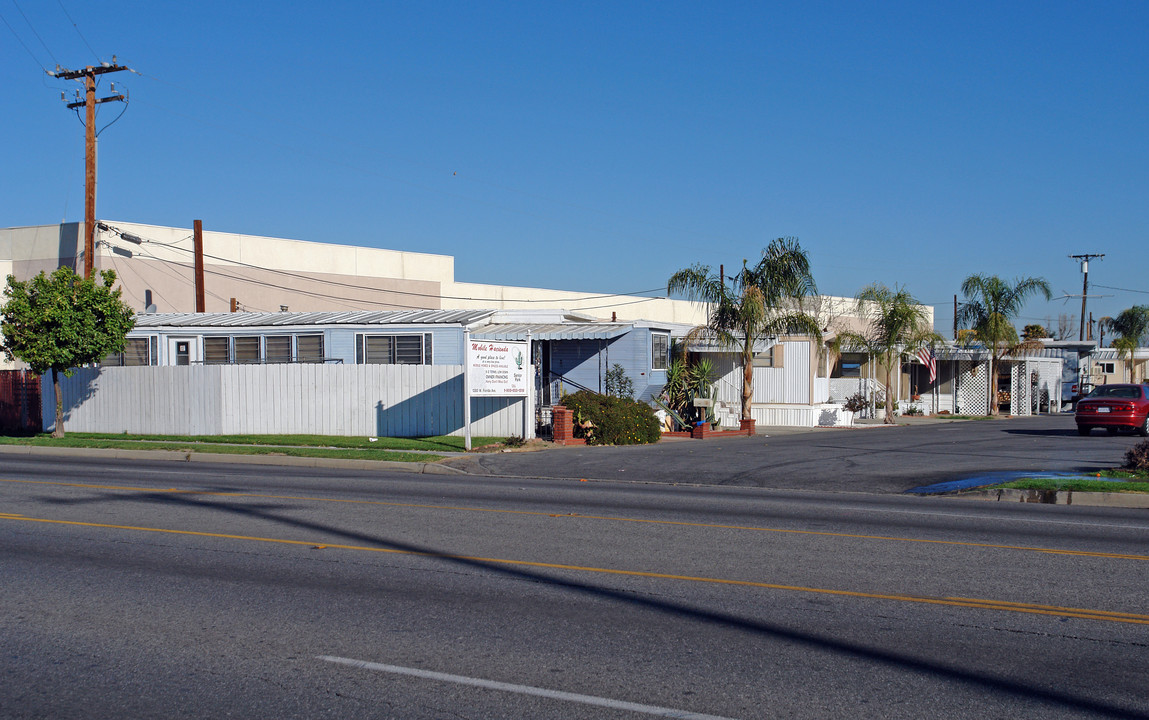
<point x="978" y="603"/>
<point x="607" y="518"/>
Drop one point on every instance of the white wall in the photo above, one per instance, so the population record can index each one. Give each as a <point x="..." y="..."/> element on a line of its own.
<point x="355" y="400"/>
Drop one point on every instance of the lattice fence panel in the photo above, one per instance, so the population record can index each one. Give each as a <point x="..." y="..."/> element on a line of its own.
<point x="1019" y="397"/>
<point x="971" y="388"/>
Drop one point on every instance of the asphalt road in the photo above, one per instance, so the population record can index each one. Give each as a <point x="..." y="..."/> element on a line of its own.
<point x="176" y="590"/>
<point x="870" y="459"/>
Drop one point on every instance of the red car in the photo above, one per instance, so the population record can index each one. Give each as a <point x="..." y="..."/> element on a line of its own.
<point x="1114" y="407"/>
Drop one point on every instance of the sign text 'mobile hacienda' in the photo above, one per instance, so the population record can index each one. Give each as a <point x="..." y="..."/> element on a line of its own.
<point x="497" y="368"/>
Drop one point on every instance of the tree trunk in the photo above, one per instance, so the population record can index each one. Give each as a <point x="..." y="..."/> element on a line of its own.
<point x="58" y="432"/>
<point x="747" y="380"/>
<point x="992" y="380"/>
<point x="889" y="419"/>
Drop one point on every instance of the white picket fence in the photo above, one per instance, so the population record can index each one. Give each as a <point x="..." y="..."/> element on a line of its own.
<point x="358" y="400"/>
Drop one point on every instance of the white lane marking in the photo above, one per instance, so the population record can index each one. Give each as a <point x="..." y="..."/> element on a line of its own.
<point x="525" y="690"/>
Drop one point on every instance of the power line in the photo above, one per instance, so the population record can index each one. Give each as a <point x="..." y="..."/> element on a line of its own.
<point x="67" y="15"/>
<point x="1110" y="287"/>
<point x="89" y="75"/>
<point x="637" y="293"/>
<point x="26" y="49"/>
<point x="33" y="29"/>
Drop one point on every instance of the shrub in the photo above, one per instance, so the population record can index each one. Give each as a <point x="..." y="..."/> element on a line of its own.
<point x="857" y="402"/>
<point x="614" y="421"/>
<point x="618" y="383"/>
<point x="1137" y="457"/>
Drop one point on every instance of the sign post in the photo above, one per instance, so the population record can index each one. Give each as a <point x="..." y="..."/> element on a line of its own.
<point x="493" y="368"/>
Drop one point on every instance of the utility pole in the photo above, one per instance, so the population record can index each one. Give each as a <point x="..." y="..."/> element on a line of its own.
<point x="1084" y="260"/>
<point x="89" y="103"/>
<point x="197" y="234"/>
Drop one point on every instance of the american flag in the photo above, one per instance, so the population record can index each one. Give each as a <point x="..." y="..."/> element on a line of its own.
<point x="926" y="355"/>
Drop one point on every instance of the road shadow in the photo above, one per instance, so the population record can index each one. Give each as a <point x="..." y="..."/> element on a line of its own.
<point x="1044" y="432"/>
<point x="272" y="511"/>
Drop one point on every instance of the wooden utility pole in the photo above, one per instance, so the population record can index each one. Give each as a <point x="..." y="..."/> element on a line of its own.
<point x="89" y="103"/>
<point x="197" y="232"/>
<point x="1084" y="259"/>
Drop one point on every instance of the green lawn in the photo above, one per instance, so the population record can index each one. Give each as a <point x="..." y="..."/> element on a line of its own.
<point x="445" y="443"/>
<point x="352" y="448"/>
<point x="1129" y="481"/>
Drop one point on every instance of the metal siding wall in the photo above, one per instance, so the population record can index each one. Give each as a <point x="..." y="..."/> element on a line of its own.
<point x="395" y="400"/>
<point x="578" y="361"/>
<point x="632" y="351"/>
<point x="340" y="343"/>
<point x="447" y="346"/>
<point x="789" y="383"/>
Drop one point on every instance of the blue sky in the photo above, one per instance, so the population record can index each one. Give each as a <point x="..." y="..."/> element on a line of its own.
<point x="602" y="146"/>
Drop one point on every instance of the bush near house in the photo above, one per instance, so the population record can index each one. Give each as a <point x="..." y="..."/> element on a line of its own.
<point x="1137" y="457"/>
<point x="614" y="421"/>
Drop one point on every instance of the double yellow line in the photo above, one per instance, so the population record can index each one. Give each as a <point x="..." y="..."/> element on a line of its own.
<point x="976" y="603"/>
<point x="607" y="518"/>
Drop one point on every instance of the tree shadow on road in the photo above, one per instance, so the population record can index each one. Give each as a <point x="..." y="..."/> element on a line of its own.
<point x="273" y="512"/>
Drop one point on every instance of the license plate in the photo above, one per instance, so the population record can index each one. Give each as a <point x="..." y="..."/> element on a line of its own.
<point x="1102" y="409"/>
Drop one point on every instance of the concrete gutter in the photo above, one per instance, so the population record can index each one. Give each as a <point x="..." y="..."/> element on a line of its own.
<point x="283" y="460"/>
<point x="1059" y="497"/>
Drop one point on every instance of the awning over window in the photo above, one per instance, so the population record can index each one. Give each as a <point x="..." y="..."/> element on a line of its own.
<point x="552" y="331"/>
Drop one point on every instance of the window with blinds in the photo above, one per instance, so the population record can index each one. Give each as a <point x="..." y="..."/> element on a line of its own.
<point x="277" y="348"/>
<point x="216" y="351"/>
<point x="393" y="349"/>
<point x="137" y="351"/>
<point x="309" y="348"/>
<point x="659" y="351"/>
<point x="247" y="349"/>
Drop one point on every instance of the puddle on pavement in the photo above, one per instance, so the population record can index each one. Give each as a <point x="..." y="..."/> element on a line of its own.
<point x="994" y="479"/>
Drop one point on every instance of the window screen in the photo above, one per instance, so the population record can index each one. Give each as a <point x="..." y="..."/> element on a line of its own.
<point x="247" y="349"/>
<point x="136" y="352"/>
<point x="309" y="348"/>
<point x="215" y="351"/>
<point x="408" y="349"/>
<point x="277" y="348"/>
<point x="659" y="351"/>
<point x="390" y="349"/>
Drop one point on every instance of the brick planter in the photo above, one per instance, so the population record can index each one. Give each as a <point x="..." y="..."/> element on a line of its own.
<point x="747" y="426"/>
<point x="563" y="424"/>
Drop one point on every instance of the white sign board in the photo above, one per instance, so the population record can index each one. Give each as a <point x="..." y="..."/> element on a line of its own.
<point x="497" y="368"/>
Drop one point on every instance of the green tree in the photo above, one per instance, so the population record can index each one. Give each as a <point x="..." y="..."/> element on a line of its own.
<point x="758" y="302"/>
<point x="1131" y="326"/>
<point x="1034" y="332"/>
<point x="60" y="321"/>
<point x="896" y="325"/>
<point x="990" y="304"/>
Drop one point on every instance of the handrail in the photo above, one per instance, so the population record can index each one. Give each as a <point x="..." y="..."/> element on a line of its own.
<point x="552" y="376"/>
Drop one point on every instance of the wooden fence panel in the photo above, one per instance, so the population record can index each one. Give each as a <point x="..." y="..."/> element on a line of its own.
<point x="19" y="402"/>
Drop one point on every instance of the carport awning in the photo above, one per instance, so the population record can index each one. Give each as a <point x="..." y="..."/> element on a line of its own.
<point x="552" y="331"/>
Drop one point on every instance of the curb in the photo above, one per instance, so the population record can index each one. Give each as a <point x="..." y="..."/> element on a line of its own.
<point x="282" y="460"/>
<point x="1059" y="497"/>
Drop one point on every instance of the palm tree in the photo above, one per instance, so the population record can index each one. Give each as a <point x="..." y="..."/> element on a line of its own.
<point x="1104" y="325"/>
<point x="896" y="324"/>
<point x="1130" y="326"/>
<point x="759" y="301"/>
<point x="988" y="308"/>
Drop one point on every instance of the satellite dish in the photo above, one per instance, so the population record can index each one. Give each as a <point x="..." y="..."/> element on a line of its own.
<point x="150" y="309"/>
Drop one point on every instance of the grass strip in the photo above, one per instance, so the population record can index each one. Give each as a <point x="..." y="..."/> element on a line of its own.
<point x="205" y="447"/>
<point x="442" y="443"/>
<point x="1077" y="485"/>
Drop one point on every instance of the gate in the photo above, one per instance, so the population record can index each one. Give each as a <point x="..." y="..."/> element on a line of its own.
<point x="19" y="403"/>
